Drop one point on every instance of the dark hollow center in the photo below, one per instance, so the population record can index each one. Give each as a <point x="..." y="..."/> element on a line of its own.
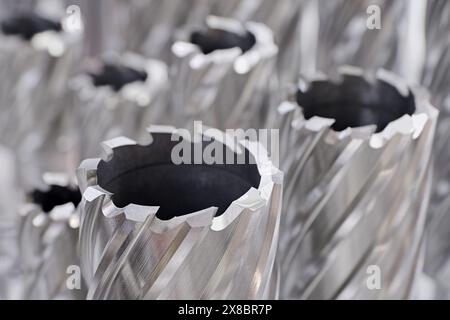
<point x="146" y="175"/>
<point x="210" y="39"/>
<point x="355" y="103"/>
<point x="117" y="76"/>
<point x="55" y="196"/>
<point x="26" y="25"/>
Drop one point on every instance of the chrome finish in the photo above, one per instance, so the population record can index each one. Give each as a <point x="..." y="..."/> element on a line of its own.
<point x="166" y="231"/>
<point x="357" y="153"/>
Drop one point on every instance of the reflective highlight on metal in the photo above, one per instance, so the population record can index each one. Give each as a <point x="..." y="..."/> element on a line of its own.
<point x="223" y="86"/>
<point x="48" y="240"/>
<point x="151" y="229"/>
<point x="357" y="150"/>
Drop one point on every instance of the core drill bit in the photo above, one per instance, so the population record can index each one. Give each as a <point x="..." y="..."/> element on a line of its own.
<point x="48" y="240"/>
<point x="38" y="55"/>
<point x="153" y="229"/>
<point x="221" y="74"/>
<point x="357" y="152"/>
<point x="122" y="96"/>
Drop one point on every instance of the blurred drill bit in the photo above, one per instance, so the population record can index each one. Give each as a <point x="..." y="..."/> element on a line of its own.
<point x="48" y="239"/>
<point x="357" y="151"/>
<point x="222" y="73"/>
<point x="153" y="229"/>
<point x="38" y="57"/>
<point x="120" y="96"/>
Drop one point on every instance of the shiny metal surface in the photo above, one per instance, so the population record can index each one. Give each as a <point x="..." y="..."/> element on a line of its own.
<point x="151" y="229"/>
<point x="359" y="185"/>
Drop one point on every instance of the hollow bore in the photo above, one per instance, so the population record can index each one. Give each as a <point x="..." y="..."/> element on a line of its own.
<point x="146" y="175"/>
<point x="116" y="76"/>
<point x="354" y="102"/>
<point x="212" y="39"/>
<point x="55" y="196"/>
<point x="26" y="25"/>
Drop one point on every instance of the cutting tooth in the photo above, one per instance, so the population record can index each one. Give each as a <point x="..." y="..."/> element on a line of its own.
<point x="199" y="219"/>
<point x="87" y="173"/>
<point x="93" y="193"/>
<point x="138" y="213"/>
<point x="109" y="146"/>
